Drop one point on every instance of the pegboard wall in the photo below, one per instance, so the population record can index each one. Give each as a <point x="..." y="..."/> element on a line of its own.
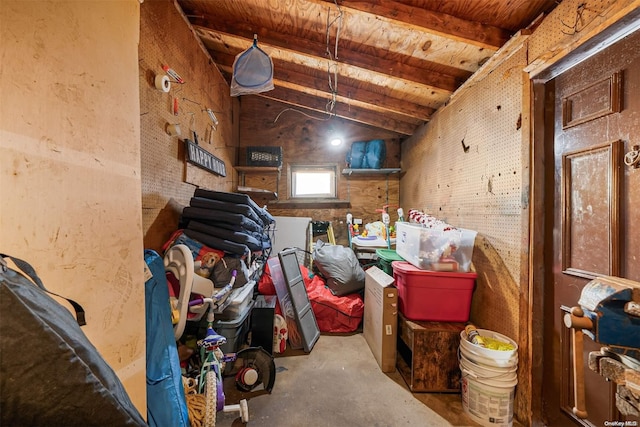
<point x="470" y="166"/>
<point x="168" y="182"/>
<point x="568" y="21"/>
<point x="466" y="169"/>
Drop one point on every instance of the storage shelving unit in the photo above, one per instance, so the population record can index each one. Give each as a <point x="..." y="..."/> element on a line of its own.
<point x="258" y="192"/>
<point x="359" y="172"/>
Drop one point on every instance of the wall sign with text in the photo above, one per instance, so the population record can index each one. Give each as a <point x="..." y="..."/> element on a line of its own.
<point x="202" y="158"/>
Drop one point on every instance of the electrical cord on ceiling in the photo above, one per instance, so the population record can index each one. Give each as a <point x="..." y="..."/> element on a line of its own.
<point x="332" y="69"/>
<point x="329" y="24"/>
<point x="332" y="66"/>
<point x="301" y="112"/>
<point x="580" y="21"/>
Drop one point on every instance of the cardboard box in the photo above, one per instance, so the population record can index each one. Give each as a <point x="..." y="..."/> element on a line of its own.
<point x="380" y="327"/>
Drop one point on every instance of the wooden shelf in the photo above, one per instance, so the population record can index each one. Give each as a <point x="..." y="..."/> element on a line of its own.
<point x="386" y="171"/>
<point x="257" y="169"/>
<point x="257" y="192"/>
<point x="311" y="204"/>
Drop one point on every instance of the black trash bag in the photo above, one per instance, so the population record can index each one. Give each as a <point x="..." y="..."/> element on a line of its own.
<point x="340" y="267"/>
<point x="50" y="373"/>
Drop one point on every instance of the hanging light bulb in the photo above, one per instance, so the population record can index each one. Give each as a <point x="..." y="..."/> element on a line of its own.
<point x="334" y="137"/>
<point x="335" y="141"/>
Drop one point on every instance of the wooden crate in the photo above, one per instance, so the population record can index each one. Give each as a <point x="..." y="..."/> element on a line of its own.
<point x="428" y="355"/>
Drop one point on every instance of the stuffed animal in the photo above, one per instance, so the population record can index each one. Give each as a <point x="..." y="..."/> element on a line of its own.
<point x="204" y="266"/>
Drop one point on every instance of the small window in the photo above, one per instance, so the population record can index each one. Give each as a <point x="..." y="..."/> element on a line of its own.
<point x="313" y="181"/>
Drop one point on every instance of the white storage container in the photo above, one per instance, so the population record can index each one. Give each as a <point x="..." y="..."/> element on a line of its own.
<point x="236" y="302"/>
<point x="447" y="249"/>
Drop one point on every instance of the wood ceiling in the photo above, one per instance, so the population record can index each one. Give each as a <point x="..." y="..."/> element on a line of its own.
<point x="394" y="64"/>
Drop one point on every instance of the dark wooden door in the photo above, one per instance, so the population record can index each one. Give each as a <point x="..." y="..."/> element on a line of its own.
<point x="596" y="211"/>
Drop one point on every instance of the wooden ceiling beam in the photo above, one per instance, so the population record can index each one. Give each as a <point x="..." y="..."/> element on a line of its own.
<point x="347" y="112"/>
<point x="398" y="68"/>
<point x="395" y="60"/>
<point x="379" y="102"/>
<point x="302" y="76"/>
<point x="449" y="26"/>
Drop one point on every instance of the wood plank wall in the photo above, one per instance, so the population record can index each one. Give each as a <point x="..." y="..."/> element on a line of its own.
<point x="70" y="167"/>
<point x="304" y="141"/>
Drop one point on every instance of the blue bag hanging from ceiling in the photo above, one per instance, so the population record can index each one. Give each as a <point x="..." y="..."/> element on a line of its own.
<point x="252" y="71"/>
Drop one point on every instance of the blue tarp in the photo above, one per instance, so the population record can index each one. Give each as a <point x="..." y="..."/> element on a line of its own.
<point x="166" y="401"/>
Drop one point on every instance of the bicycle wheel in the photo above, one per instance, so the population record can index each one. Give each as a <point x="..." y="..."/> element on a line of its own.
<point x="211" y="396"/>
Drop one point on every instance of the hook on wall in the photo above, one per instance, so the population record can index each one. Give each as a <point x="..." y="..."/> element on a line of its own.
<point x="214" y="120"/>
<point x="632" y="158"/>
<point x="173" y="129"/>
<point x="212" y="116"/>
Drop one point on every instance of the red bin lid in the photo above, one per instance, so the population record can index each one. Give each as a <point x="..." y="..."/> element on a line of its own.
<point x="406" y="267"/>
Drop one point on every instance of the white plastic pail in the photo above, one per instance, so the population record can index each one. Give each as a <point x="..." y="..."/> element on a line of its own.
<point x="484" y="360"/>
<point x="495" y="356"/>
<point x="489" y="378"/>
<point x="487" y="372"/>
<point x="488" y="402"/>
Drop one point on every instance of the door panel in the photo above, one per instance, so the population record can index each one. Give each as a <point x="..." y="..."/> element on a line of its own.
<point x="590" y="208"/>
<point x="596" y="119"/>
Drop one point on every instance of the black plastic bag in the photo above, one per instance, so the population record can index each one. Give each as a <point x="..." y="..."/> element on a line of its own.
<point x="340" y="267"/>
<point x="50" y="373"/>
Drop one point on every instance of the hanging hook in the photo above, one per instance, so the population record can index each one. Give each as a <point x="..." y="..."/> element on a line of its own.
<point x="192" y="122"/>
<point x="632" y="158"/>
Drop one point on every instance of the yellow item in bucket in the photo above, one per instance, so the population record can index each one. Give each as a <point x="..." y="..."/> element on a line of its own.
<point x="494" y="344"/>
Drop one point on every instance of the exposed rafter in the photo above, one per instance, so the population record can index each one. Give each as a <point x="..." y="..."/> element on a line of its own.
<point x="396" y="62"/>
<point x="482" y="35"/>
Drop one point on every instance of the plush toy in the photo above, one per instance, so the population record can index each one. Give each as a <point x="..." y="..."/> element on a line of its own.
<point x="204" y="266"/>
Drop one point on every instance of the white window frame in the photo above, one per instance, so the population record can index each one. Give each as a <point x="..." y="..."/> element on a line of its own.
<point x="333" y="176"/>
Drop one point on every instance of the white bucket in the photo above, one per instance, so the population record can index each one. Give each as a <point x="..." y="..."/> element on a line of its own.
<point x="487" y="372"/>
<point x="489" y="378"/>
<point x="497" y="355"/>
<point x="488" y="402"/>
<point x="481" y="359"/>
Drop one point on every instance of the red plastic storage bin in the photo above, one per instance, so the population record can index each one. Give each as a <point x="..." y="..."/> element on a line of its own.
<point x="435" y="296"/>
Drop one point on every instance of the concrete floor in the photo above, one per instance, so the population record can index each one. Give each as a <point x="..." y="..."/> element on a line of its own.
<point x="339" y="384"/>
